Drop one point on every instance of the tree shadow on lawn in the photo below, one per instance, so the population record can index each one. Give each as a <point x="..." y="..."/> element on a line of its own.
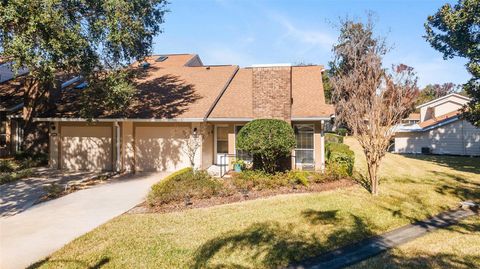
<point x="413" y="202"/>
<point x="273" y="245"/>
<point x="64" y="262"/>
<point x="459" y="163"/>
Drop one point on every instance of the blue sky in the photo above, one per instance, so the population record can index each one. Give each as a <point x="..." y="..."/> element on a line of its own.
<point x="257" y="32"/>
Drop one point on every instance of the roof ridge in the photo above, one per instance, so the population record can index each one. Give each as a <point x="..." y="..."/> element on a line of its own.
<point x="219" y="96"/>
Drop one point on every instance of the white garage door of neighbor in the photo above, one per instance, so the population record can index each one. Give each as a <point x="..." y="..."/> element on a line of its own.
<point x="86" y="148"/>
<point x="160" y="149"/>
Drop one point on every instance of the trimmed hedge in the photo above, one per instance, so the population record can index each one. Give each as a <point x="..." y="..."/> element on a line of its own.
<point x="269" y="140"/>
<point x="184" y="184"/>
<point x="340" y="159"/>
<point x="333" y="138"/>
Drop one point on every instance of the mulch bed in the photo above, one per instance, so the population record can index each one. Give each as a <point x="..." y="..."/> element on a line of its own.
<point x="239" y="197"/>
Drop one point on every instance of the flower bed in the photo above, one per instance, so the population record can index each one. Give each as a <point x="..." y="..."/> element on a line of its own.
<point x="188" y="189"/>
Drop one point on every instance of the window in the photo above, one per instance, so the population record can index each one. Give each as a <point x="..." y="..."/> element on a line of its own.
<point x="222" y="139"/>
<point x="161" y="58"/>
<point x="241" y="154"/>
<point x="304" y="146"/>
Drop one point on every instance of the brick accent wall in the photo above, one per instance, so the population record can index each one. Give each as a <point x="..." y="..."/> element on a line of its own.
<point x="272" y="92"/>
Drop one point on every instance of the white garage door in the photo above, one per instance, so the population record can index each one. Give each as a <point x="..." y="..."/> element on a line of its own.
<point x="86" y="148"/>
<point x="160" y="149"/>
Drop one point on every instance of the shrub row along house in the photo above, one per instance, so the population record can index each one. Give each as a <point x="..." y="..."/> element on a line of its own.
<point x="440" y="129"/>
<point x="178" y="95"/>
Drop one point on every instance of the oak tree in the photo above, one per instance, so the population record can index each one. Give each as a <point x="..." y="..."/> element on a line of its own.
<point x="455" y="31"/>
<point x="62" y="38"/>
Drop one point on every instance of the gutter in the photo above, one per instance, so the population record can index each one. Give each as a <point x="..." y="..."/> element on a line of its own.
<point x="120" y="120"/>
<point x="311" y="118"/>
<point x="220" y="94"/>
<point x="228" y="119"/>
<point x="450" y="120"/>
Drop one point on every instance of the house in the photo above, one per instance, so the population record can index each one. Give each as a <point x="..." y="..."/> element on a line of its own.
<point x="178" y="94"/>
<point x="441" y="130"/>
<point x="11" y="107"/>
<point x="412" y="119"/>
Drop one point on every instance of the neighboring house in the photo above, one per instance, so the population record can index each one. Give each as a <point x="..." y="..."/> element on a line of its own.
<point x="176" y="94"/>
<point x="441" y="130"/>
<point x="11" y="107"/>
<point x="413" y="118"/>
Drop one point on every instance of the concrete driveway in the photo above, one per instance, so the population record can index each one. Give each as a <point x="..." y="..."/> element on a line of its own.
<point x="40" y="230"/>
<point x="19" y="195"/>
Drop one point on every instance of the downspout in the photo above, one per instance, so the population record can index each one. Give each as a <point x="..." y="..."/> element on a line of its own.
<point x="117" y="146"/>
<point x="322" y="146"/>
<point x="463" y="138"/>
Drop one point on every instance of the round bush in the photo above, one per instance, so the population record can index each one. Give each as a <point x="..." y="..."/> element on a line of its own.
<point x="268" y="140"/>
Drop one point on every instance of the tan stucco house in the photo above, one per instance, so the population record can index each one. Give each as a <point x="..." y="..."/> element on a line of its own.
<point x="177" y="93"/>
<point x="440" y="130"/>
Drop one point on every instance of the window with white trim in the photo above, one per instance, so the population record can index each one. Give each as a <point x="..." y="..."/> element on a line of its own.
<point x="304" y="144"/>
<point x="241" y="154"/>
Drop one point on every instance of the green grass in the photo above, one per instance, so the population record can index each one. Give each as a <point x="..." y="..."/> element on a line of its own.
<point x="273" y="232"/>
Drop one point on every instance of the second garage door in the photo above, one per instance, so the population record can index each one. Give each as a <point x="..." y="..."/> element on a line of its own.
<point x="86" y="148"/>
<point x="160" y="148"/>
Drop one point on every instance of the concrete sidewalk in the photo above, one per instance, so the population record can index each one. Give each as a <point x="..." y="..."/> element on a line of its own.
<point x="354" y="253"/>
<point x="42" y="229"/>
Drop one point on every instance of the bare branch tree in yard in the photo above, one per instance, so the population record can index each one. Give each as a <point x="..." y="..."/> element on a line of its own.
<point x="367" y="98"/>
<point x="193" y="140"/>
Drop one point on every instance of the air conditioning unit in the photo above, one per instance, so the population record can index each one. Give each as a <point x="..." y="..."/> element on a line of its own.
<point x="426" y="150"/>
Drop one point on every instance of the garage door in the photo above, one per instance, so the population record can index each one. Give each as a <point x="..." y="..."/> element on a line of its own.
<point x="86" y="148"/>
<point x="160" y="149"/>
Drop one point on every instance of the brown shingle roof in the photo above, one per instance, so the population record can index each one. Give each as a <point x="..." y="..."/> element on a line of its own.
<point x="11" y="93"/>
<point x="173" y="60"/>
<point x="165" y="90"/>
<point x="307" y="93"/>
<point x="181" y="87"/>
<point x="439" y="119"/>
<point x="237" y="101"/>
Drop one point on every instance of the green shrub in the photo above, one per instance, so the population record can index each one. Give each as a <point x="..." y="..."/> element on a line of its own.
<point x="333" y="138"/>
<point x="340" y="160"/>
<point x="318" y="177"/>
<point x="269" y="141"/>
<point x="16" y="175"/>
<point x="299" y="177"/>
<point x="7" y="166"/>
<point x="28" y="159"/>
<point x="259" y="180"/>
<point x="185" y="184"/>
<point x="342" y="131"/>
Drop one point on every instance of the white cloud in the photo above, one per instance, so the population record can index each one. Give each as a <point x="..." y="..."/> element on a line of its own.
<point x="307" y="36"/>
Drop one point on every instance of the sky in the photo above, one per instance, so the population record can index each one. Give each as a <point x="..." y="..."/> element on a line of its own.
<point x="247" y="32"/>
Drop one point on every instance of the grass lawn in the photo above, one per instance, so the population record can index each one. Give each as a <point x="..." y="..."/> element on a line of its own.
<point x="273" y="232"/>
<point x="455" y="247"/>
